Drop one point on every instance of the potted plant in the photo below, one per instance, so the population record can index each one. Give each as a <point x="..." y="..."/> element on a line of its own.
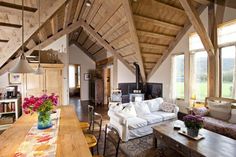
<point x="43" y="105"/>
<point x="193" y="123"/>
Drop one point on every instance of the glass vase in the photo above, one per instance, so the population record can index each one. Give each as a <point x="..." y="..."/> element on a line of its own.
<point x="44" y="120"/>
<point x="192" y="132"/>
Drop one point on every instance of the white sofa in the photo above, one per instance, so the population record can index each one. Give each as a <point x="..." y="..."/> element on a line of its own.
<point x="135" y="119"/>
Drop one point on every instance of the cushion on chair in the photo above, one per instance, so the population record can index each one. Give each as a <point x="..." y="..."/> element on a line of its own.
<point x="165" y="115"/>
<point x="220" y="111"/>
<point x="152" y="118"/>
<point x="233" y="116"/>
<point x="136" y="122"/>
<point x="167" y="107"/>
<point x="141" y="108"/>
<point x="201" y="111"/>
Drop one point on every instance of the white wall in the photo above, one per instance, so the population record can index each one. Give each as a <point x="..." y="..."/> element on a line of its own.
<point x="124" y="74"/>
<point x="163" y="74"/>
<point x="77" y="56"/>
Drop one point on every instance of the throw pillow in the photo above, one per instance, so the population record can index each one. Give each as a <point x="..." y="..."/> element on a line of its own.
<point x="154" y="104"/>
<point x="141" y="108"/>
<point x="233" y="116"/>
<point x="129" y="111"/>
<point x="201" y="111"/>
<point x="167" y="107"/>
<point x="219" y="110"/>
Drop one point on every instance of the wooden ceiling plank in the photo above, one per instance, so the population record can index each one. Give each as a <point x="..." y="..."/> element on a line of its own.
<point x="68" y="10"/>
<point x="204" y="2"/>
<point x="78" y="10"/>
<point x="153" y="46"/>
<point x="172" y="8"/>
<point x="18" y="7"/>
<point x="157" y="22"/>
<point x="10" y="25"/>
<point x="83" y="49"/>
<point x="107" y="17"/>
<point x="120" y="38"/>
<point x="103" y="43"/>
<point x="173" y="44"/>
<point x="134" y="36"/>
<point x="198" y="25"/>
<point x="31" y="27"/>
<point x="152" y="53"/>
<point x="128" y="55"/>
<point x="94" y="10"/>
<point x="115" y="27"/>
<point x="155" y="35"/>
<point x="54" y="24"/>
<point x="98" y="51"/>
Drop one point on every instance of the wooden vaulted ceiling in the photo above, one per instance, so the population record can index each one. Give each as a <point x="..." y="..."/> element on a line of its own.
<point x="142" y="31"/>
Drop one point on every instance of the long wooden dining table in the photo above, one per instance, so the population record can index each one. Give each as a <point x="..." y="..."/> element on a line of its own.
<point x="70" y="141"/>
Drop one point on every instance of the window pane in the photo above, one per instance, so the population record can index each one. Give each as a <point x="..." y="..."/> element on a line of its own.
<point x="227" y="33"/>
<point x="195" y="42"/>
<point x="78" y="77"/>
<point x="200" y="75"/>
<point x="228" y="69"/>
<point x="71" y="76"/>
<point x="179" y="76"/>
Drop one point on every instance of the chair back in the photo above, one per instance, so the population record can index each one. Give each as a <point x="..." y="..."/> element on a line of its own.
<point x="112" y="135"/>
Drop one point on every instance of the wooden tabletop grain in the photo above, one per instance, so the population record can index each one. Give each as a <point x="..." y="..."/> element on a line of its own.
<point x="70" y="143"/>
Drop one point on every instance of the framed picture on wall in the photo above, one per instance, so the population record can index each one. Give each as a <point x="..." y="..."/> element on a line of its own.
<point x="87" y="76"/>
<point x="15" y="78"/>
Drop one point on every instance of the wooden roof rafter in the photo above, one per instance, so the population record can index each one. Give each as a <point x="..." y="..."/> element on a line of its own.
<point x="18" y="7"/>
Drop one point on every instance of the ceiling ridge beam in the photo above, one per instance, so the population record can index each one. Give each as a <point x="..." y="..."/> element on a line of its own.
<point x="83" y="49"/>
<point x="134" y="36"/>
<point x="198" y="25"/>
<point x="155" y="35"/>
<point x="31" y="27"/>
<point x="18" y="7"/>
<point x="173" y="44"/>
<point x="10" y="25"/>
<point x="103" y="43"/>
<point x="157" y="22"/>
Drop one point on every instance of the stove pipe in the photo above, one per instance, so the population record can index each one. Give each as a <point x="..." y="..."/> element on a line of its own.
<point x="137" y="70"/>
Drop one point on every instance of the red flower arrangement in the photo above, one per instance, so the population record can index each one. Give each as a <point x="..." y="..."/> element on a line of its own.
<point x="43" y="103"/>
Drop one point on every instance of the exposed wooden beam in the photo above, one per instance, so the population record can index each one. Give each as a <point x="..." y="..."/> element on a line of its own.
<point x="10" y="25"/>
<point x="94" y="10"/>
<point x="198" y="25"/>
<point x="155" y="35"/>
<point x="120" y="38"/>
<point x="173" y="44"/>
<point x="68" y="10"/>
<point x="78" y="10"/>
<point x="16" y="6"/>
<point x="205" y="2"/>
<point x="129" y="55"/>
<point x="54" y="24"/>
<point x="152" y="46"/>
<point x="134" y="36"/>
<point x="42" y="45"/>
<point x="83" y="49"/>
<point x="152" y="53"/>
<point x="49" y="8"/>
<point x="102" y="42"/>
<point x="157" y="22"/>
<point x="105" y="62"/>
<point x="3" y="41"/>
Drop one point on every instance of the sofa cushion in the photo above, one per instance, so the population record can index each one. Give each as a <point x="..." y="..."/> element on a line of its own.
<point x="136" y="122"/>
<point x="129" y="111"/>
<point x="141" y="108"/>
<point x="152" y="118"/>
<point x="233" y="116"/>
<point x="154" y="104"/>
<point x="167" y="107"/>
<point x="220" y="111"/>
<point x="220" y="126"/>
<point x="201" y="111"/>
<point x="165" y="115"/>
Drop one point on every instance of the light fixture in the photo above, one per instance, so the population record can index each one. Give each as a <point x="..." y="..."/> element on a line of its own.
<point x="88" y="3"/>
<point x="23" y="65"/>
<point x="39" y="70"/>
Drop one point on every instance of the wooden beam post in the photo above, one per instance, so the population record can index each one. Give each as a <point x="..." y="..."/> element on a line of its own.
<point x="134" y="36"/>
<point x="198" y="25"/>
<point x="108" y="47"/>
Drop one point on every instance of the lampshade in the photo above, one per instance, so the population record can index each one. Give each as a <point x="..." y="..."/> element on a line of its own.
<point x="22" y="66"/>
<point x="39" y="70"/>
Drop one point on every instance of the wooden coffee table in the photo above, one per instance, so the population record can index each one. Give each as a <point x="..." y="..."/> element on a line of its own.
<point x="213" y="145"/>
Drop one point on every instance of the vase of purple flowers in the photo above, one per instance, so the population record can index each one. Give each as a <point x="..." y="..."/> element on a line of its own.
<point x="193" y="123"/>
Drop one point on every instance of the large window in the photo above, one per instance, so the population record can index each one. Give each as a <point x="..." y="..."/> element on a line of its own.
<point x="71" y="76"/>
<point x="178" y="76"/>
<point x="228" y="71"/>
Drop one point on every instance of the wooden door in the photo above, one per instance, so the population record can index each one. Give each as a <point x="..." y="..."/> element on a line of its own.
<point x="53" y="82"/>
<point x="33" y="85"/>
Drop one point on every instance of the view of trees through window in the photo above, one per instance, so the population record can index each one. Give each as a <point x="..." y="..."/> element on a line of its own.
<point x="228" y="71"/>
<point x="179" y="76"/>
<point x="200" y="75"/>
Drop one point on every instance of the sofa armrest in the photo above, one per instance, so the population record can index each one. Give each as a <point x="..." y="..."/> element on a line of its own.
<point x="176" y="109"/>
<point x="118" y="117"/>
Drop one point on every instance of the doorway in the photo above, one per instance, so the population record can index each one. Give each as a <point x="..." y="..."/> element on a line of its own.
<point x="74" y="83"/>
<point x="107" y="85"/>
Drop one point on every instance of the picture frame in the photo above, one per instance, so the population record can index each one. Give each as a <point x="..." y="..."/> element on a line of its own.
<point x="87" y="76"/>
<point x="15" y="78"/>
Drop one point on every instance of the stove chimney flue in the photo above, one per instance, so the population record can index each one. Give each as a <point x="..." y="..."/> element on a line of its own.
<point x="137" y="72"/>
